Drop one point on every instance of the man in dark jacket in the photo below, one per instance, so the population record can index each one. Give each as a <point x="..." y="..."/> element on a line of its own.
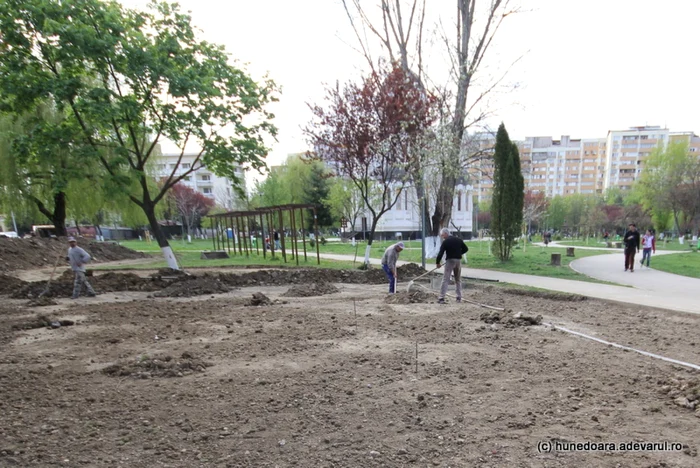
<point x="453" y="248"/>
<point x="631" y="246"/>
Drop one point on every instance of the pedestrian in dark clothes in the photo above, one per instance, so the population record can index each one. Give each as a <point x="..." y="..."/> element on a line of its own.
<point x="631" y="239"/>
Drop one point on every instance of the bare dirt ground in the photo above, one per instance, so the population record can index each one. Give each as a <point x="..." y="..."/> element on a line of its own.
<point x="132" y="379"/>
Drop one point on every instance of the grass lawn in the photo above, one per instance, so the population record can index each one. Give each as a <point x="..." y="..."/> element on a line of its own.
<point x="673" y="245"/>
<point x="534" y="261"/>
<point x="686" y="264"/>
<point x="188" y="256"/>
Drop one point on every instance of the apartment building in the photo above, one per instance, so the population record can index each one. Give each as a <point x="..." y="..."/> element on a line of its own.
<point x="588" y="165"/>
<point x="219" y="189"/>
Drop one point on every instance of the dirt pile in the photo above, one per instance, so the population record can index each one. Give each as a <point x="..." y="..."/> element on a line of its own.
<point x="555" y="296"/>
<point x="683" y="392"/>
<point x="42" y="321"/>
<point x="409" y="270"/>
<point x="109" y="282"/>
<point x="146" y="367"/>
<point x="20" y="254"/>
<point x="259" y="299"/>
<point x="519" y="319"/>
<point x="303" y="276"/>
<point x="194" y="286"/>
<point x="10" y="284"/>
<point x="41" y="301"/>
<point x="413" y="297"/>
<point x="309" y="290"/>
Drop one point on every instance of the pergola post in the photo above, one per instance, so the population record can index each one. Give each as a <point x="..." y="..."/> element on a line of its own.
<point x="262" y="238"/>
<point x="281" y="231"/>
<point x="318" y="241"/>
<point x="303" y="234"/>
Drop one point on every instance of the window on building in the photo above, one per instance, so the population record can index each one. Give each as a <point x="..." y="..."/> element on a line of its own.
<point x="205" y="177"/>
<point x="188" y="178"/>
<point x="173" y="166"/>
<point x="206" y="190"/>
<point x="185" y="165"/>
<point x="459" y="200"/>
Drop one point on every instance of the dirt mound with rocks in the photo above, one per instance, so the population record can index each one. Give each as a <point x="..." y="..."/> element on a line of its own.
<point x="41" y="301"/>
<point x="519" y="319"/>
<point x="555" y="296"/>
<point x="194" y="286"/>
<point x="146" y="367"/>
<point x="303" y="276"/>
<point x="21" y="254"/>
<point x="42" y="321"/>
<point x="410" y="270"/>
<point x="683" y="392"/>
<point x="259" y="299"/>
<point x="309" y="290"/>
<point x="412" y="297"/>
<point x="108" y="282"/>
<point x="10" y="284"/>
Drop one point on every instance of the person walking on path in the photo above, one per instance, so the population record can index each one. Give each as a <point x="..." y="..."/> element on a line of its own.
<point x="78" y="258"/>
<point x="631" y="246"/>
<point x="453" y="248"/>
<point x="648" y="244"/>
<point x="276" y="236"/>
<point x="389" y="259"/>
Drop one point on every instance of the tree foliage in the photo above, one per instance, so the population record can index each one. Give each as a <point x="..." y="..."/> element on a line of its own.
<point x="128" y="78"/>
<point x="366" y="131"/>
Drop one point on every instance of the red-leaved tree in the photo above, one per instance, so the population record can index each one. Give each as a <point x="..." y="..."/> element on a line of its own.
<point x="368" y="133"/>
<point x="190" y="204"/>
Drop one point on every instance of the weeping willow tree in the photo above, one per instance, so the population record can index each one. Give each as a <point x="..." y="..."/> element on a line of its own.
<point x="42" y="165"/>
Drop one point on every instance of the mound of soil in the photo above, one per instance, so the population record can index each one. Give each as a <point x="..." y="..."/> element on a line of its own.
<point x="20" y="254"/>
<point x="308" y="290"/>
<point x="10" y="284"/>
<point x="555" y="296"/>
<point x="41" y="301"/>
<point x="259" y="299"/>
<point x="519" y="319"/>
<point x="413" y="297"/>
<point x="194" y="286"/>
<point x="303" y="276"/>
<point x="410" y="270"/>
<point x="42" y="321"/>
<point x="109" y="282"/>
<point x="684" y="392"/>
<point x="146" y="367"/>
<point x="168" y="272"/>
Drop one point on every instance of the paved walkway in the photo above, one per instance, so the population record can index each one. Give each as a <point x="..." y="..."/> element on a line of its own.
<point x="667" y="291"/>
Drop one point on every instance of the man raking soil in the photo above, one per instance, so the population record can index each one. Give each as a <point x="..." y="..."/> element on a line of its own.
<point x="78" y="258"/>
<point x="389" y="259"/>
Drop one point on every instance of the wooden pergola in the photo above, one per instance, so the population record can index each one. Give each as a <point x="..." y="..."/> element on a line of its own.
<point x="243" y="223"/>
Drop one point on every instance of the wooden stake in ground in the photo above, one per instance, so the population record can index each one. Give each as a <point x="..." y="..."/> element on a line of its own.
<point x="354" y="306"/>
<point x="416" y="356"/>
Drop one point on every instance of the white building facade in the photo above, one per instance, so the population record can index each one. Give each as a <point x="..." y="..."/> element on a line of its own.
<point x="403" y="220"/>
<point x="219" y="189"/>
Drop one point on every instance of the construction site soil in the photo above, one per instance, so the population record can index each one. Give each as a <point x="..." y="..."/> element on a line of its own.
<point x="19" y="254"/>
<point x="353" y="378"/>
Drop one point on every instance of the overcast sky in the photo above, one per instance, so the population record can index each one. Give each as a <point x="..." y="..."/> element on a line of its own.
<point x="587" y="66"/>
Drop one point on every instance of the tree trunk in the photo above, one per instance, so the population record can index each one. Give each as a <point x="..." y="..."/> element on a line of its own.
<point x="375" y="220"/>
<point x="59" y="213"/>
<point x="149" y="209"/>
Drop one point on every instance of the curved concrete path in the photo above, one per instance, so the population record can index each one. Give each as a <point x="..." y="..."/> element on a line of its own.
<point x="669" y="291"/>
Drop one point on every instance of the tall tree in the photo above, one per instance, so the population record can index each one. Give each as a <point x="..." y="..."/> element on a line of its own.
<point x="401" y="32"/>
<point x="534" y="207"/>
<point x="344" y="201"/>
<point x="41" y="161"/>
<point x="364" y="133"/>
<point x="507" y="198"/>
<point x="154" y="79"/>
